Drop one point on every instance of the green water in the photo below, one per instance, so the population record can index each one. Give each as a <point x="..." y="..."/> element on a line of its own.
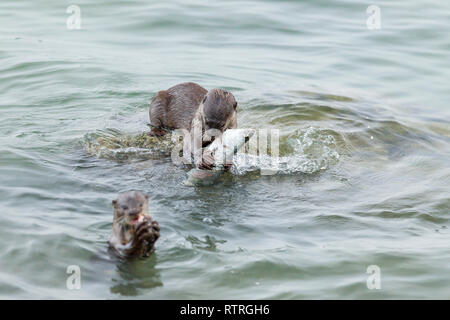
<point x="364" y="116"/>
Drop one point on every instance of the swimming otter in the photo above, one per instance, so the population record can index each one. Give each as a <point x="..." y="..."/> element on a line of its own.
<point x="189" y="106"/>
<point x="176" y="107"/>
<point x="134" y="231"/>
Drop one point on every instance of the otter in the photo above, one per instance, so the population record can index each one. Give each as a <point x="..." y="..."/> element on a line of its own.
<point x="134" y="231"/>
<point x="189" y="106"/>
<point x="176" y="107"/>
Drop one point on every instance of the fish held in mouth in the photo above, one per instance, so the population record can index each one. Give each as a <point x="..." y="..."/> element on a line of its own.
<point x="221" y="150"/>
<point x="136" y="219"/>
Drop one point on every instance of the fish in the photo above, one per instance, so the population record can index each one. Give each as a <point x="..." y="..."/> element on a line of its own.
<point x="222" y="149"/>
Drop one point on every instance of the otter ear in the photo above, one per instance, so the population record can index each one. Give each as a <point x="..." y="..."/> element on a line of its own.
<point x="235" y="106"/>
<point x="204" y="99"/>
<point x="146" y="197"/>
<point x="114" y="203"/>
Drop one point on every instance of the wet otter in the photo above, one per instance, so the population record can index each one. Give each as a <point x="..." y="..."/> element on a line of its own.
<point x="134" y="231"/>
<point x="177" y="107"/>
<point x="191" y="107"/>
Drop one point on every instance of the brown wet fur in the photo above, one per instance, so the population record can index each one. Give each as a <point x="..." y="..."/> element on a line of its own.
<point x="133" y="240"/>
<point x="176" y="107"/>
<point x="219" y="110"/>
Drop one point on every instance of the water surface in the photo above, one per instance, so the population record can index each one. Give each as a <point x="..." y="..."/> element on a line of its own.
<point x="364" y="114"/>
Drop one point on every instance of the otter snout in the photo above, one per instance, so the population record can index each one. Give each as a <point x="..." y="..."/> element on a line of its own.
<point x="134" y="213"/>
<point x="135" y="217"/>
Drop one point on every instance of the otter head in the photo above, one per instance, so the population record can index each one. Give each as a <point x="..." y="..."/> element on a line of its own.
<point x="219" y="110"/>
<point x="130" y="208"/>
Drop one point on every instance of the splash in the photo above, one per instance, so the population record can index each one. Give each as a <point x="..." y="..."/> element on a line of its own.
<point x="311" y="150"/>
<point x="307" y="150"/>
<point x="115" y="145"/>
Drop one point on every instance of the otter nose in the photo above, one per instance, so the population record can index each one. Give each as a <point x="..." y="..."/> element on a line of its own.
<point x="134" y="212"/>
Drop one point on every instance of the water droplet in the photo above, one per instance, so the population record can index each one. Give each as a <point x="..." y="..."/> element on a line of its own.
<point x="207" y="220"/>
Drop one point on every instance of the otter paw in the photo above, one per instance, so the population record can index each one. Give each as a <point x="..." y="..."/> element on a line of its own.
<point x="156" y="229"/>
<point x="147" y="230"/>
<point x="156" y="133"/>
<point x="207" y="163"/>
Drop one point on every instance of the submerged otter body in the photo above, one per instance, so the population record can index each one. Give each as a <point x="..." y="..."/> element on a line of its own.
<point x="134" y="231"/>
<point x="177" y="107"/>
